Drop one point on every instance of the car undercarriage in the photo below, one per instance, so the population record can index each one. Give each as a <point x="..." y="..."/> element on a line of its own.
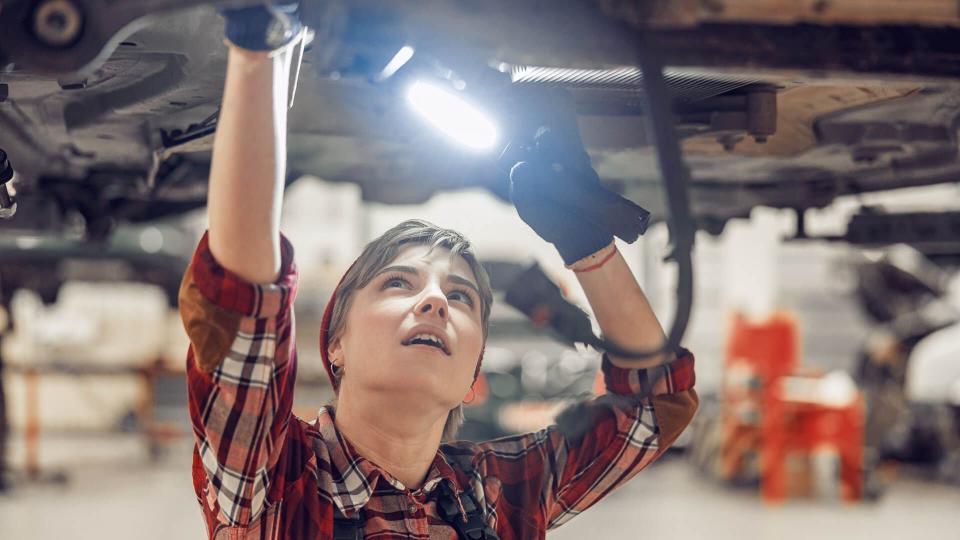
<point x="107" y="110"/>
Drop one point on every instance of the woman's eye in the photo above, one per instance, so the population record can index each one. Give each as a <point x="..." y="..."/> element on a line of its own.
<point x="394" y="281"/>
<point x="463" y="296"/>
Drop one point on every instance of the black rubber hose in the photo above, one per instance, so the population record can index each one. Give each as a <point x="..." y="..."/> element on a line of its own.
<point x="658" y="118"/>
<point x="541" y="300"/>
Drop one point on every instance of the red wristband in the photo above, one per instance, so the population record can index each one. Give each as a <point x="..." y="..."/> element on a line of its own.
<point x="595" y="260"/>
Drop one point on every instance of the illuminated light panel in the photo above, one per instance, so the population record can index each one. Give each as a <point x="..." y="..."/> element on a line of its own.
<point x="452" y="115"/>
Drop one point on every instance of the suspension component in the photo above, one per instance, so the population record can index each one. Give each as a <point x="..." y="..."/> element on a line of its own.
<point x="57" y="23"/>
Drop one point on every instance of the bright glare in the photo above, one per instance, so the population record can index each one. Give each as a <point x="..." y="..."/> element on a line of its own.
<point x="402" y="57"/>
<point x="452" y="115"/>
<point x="151" y="240"/>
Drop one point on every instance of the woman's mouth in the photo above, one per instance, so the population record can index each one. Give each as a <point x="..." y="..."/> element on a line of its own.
<point x="427" y="340"/>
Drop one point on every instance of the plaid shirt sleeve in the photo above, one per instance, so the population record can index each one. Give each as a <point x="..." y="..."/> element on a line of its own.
<point x="240" y="373"/>
<point x="596" y="445"/>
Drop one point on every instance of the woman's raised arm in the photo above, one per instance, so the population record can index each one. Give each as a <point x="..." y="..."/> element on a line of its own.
<point x="248" y="168"/>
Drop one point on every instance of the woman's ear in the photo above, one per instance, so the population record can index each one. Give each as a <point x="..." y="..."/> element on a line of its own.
<point x="335" y="353"/>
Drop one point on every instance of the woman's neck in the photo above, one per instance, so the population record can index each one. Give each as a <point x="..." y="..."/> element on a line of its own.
<point x="402" y="443"/>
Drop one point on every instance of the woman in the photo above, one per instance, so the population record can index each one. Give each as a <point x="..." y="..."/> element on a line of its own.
<point x="402" y="340"/>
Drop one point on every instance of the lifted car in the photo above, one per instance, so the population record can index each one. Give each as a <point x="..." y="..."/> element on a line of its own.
<point x="107" y="109"/>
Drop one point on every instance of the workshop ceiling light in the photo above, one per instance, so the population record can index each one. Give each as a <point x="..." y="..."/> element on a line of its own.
<point x="452" y="115"/>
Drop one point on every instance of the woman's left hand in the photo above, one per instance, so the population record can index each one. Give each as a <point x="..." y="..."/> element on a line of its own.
<point x="554" y="187"/>
<point x="539" y="189"/>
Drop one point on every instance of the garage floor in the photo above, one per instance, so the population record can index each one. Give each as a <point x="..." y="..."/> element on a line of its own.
<point x="117" y="494"/>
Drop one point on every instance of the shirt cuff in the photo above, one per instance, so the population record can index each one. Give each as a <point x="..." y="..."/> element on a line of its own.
<point x="229" y="291"/>
<point x="674" y="377"/>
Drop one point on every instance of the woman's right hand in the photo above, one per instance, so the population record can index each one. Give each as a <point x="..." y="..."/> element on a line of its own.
<point x="265" y="27"/>
<point x="248" y="167"/>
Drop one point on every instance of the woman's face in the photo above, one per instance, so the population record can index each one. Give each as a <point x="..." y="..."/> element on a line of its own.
<point x="420" y="293"/>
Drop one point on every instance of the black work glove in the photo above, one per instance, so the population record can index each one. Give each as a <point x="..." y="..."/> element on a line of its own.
<point x="541" y="189"/>
<point x="264" y="27"/>
<point x="554" y="187"/>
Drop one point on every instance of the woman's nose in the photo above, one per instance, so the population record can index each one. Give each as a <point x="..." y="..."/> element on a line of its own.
<point x="433" y="302"/>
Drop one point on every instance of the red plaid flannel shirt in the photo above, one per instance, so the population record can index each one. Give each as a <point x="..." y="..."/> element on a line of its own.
<point x="260" y="472"/>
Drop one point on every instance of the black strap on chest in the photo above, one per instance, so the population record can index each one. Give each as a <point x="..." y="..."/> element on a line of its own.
<point x="345" y="528"/>
<point x="474" y="528"/>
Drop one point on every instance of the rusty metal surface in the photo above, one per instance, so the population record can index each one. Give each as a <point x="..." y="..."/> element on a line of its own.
<point x="798" y="109"/>
<point x="685" y="13"/>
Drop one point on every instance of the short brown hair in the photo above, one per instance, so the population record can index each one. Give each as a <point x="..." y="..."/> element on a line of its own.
<point x="381" y="252"/>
